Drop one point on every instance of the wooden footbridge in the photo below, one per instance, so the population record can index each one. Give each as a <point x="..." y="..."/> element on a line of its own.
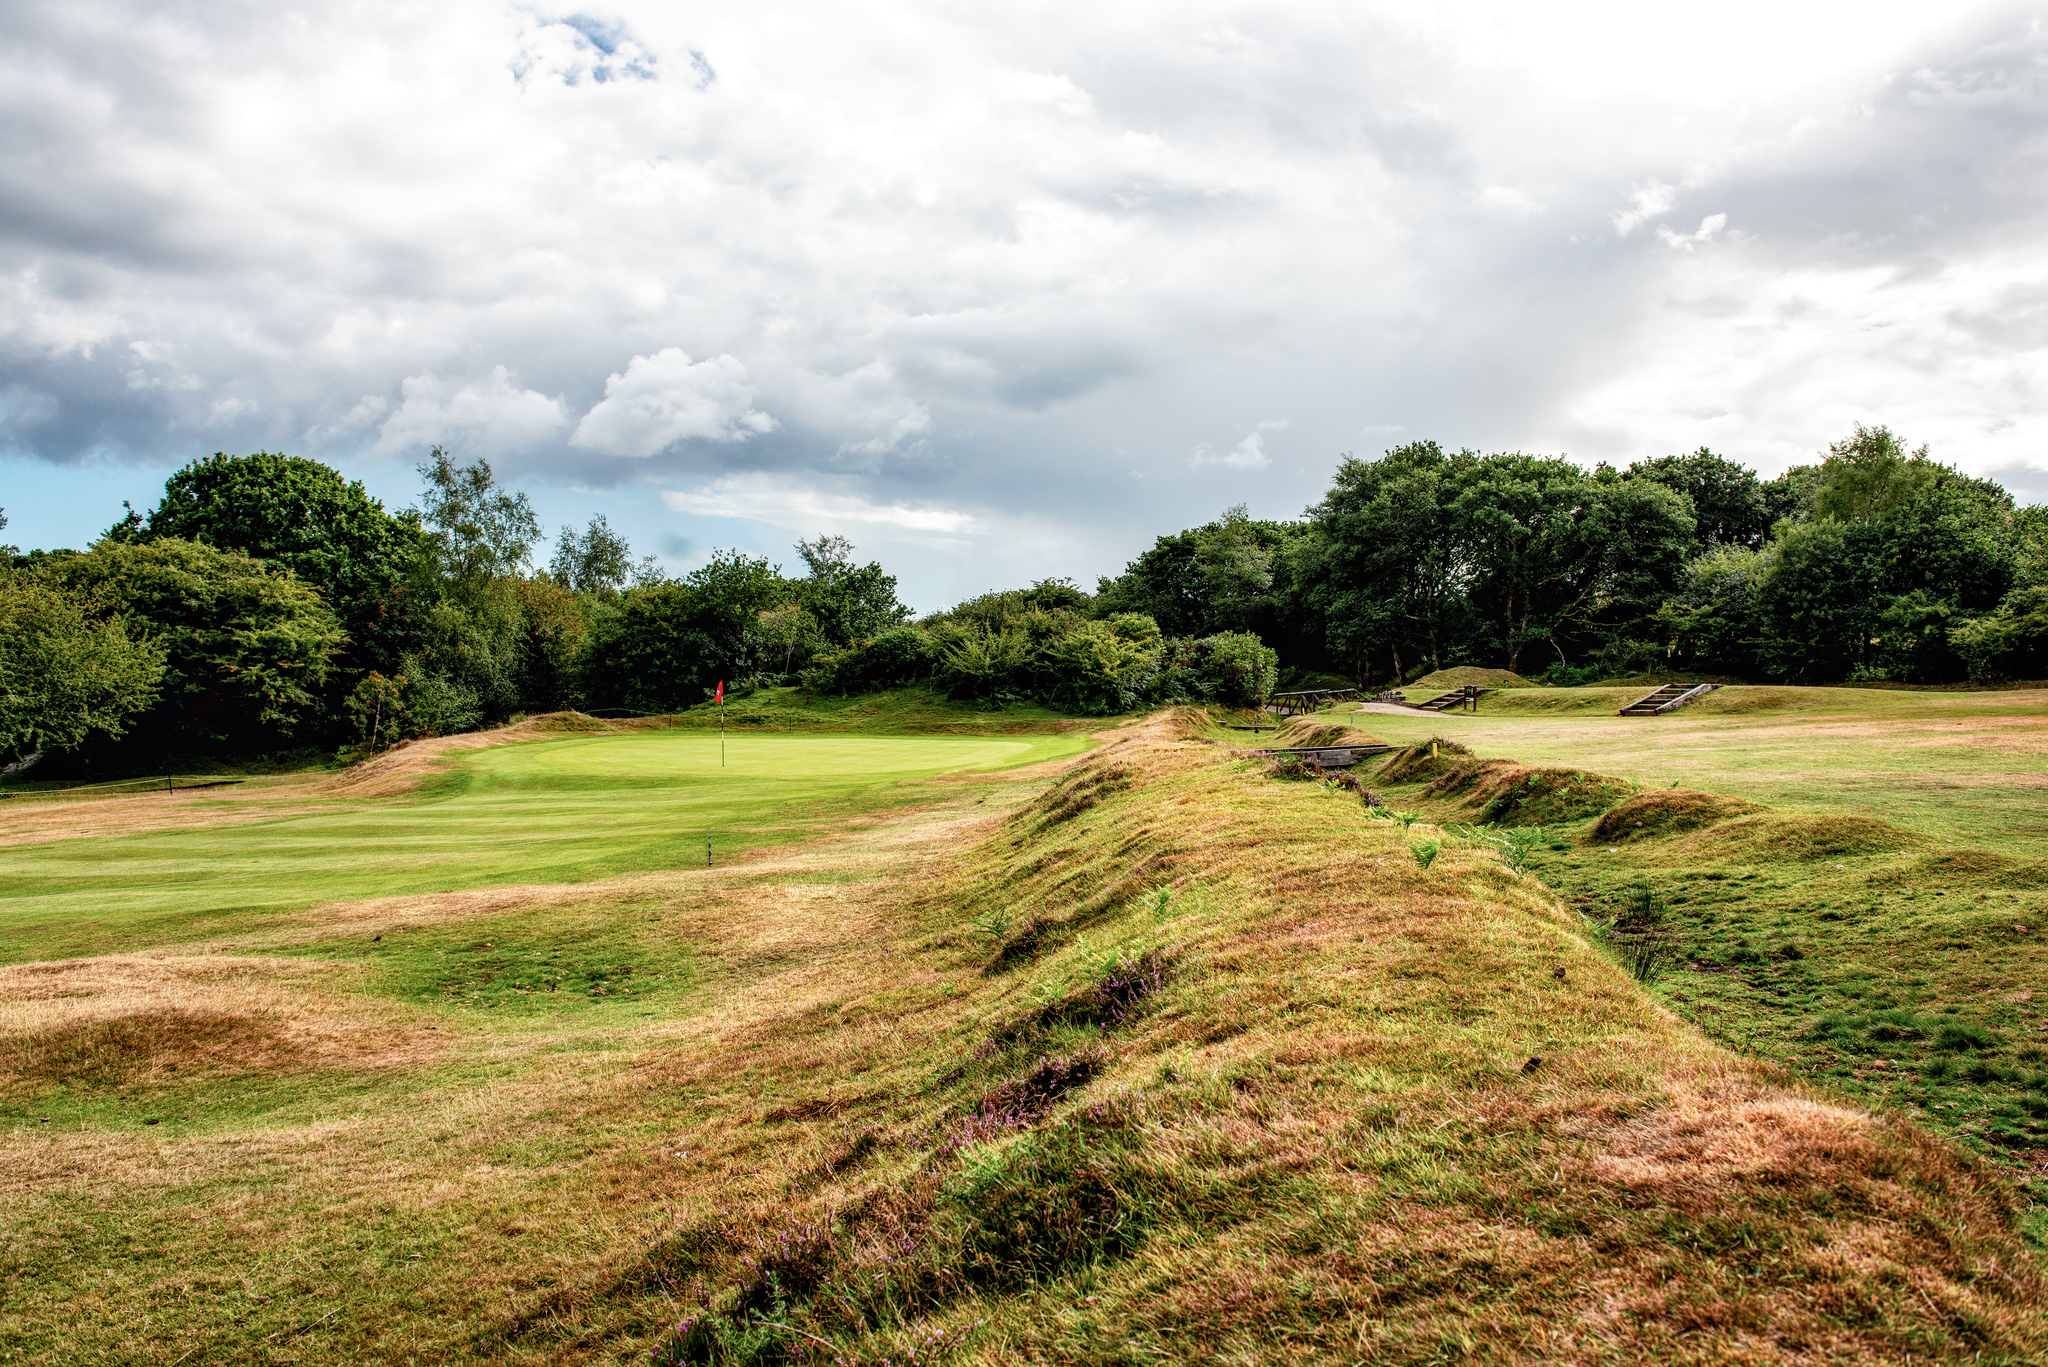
<point x="1329" y="756"/>
<point x="1307" y="700"/>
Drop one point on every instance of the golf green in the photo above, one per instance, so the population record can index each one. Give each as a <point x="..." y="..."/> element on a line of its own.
<point x="546" y="811"/>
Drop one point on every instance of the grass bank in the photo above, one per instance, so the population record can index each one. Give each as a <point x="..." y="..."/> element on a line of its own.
<point x="1869" y="956"/>
<point x="1153" y="1059"/>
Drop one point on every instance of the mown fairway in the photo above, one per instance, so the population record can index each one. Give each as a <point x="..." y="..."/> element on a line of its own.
<point x="547" y="811"/>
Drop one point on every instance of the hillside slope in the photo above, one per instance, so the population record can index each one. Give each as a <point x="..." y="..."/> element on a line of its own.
<point x="1222" y="1074"/>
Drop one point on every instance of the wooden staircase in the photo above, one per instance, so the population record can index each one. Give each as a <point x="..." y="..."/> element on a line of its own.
<point x="1443" y="702"/>
<point x="1665" y="699"/>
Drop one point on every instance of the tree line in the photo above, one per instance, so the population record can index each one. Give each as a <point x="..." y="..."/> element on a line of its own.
<point x="1875" y="563"/>
<point x="267" y="604"/>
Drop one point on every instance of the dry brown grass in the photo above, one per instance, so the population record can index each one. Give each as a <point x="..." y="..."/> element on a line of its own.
<point x="138" y="1020"/>
<point x="401" y="769"/>
<point x="39" y="822"/>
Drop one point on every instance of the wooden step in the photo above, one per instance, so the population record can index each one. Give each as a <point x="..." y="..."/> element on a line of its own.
<point x="1665" y="699"/>
<point x="1444" y="701"/>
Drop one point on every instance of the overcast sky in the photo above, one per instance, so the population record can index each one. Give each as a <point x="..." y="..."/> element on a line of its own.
<point x="1001" y="292"/>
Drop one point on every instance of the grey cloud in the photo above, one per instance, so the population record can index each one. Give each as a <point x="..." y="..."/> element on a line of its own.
<point x="992" y="266"/>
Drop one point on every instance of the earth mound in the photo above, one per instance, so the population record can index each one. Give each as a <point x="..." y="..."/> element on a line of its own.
<point x="1667" y="811"/>
<point x="1424" y="759"/>
<point x="1509" y="794"/>
<point x="1444" y="680"/>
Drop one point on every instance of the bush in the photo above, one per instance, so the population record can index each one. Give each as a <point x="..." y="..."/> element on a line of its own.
<point x="899" y="656"/>
<point x="1233" y="668"/>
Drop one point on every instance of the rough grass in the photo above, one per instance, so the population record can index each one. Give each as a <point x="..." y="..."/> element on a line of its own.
<point x="1842" y="946"/>
<point x="1970" y="769"/>
<point x="1444" y="680"/>
<point x="1266" y="1091"/>
<point x="1767" y="836"/>
<point x="1668" y="811"/>
<point x="1508" y="794"/>
<point x="1301" y="733"/>
<point x="1425" y="759"/>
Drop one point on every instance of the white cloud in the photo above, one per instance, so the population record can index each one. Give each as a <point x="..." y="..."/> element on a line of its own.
<point x="666" y="398"/>
<point x="1249" y="454"/>
<point x="491" y="414"/>
<point x="1650" y="201"/>
<point x="805" y="507"/>
<point x="222" y="412"/>
<point x="1709" y="226"/>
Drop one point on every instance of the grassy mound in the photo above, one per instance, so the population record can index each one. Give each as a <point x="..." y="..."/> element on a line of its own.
<point x="1781" y="835"/>
<point x="1551" y="701"/>
<point x="1310" y="1095"/>
<point x="1444" y="680"/>
<point x="1643" y="683"/>
<point x="1426" y="759"/>
<point x="146" y="1047"/>
<point x="1303" y="733"/>
<point x="1667" y="811"/>
<point x="1510" y="794"/>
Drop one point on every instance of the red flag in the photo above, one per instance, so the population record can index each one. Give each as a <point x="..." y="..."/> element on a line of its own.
<point x="721" y="692"/>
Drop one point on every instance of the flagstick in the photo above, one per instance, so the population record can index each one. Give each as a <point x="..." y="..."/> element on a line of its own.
<point x="721" y="727"/>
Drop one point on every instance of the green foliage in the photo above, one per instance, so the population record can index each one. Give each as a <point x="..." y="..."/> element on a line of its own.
<point x="1227" y="575"/>
<point x="667" y="645"/>
<point x="246" y="649"/>
<point x="849" y="602"/>
<point x="899" y="656"/>
<point x="1871" y="477"/>
<point x="789" y="629"/>
<point x="300" y="516"/>
<point x="595" y="560"/>
<point x="1233" y="668"/>
<point x="1384" y="571"/>
<point x="480" y="532"/>
<point x="1818" y="605"/>
<point x="1726" y="500"/>
<point x="1053" y="657"/>
<point x="377" y="712"/>
<point x="1710" y="618"/>
<point x="64" y="677"/>
<point x="1092" y="667"/>
<point x="2011" y="642"/>
<point x="1440" y="555"/>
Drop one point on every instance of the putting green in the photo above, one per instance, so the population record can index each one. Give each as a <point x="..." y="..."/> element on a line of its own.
<point x="551" y="811"/>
